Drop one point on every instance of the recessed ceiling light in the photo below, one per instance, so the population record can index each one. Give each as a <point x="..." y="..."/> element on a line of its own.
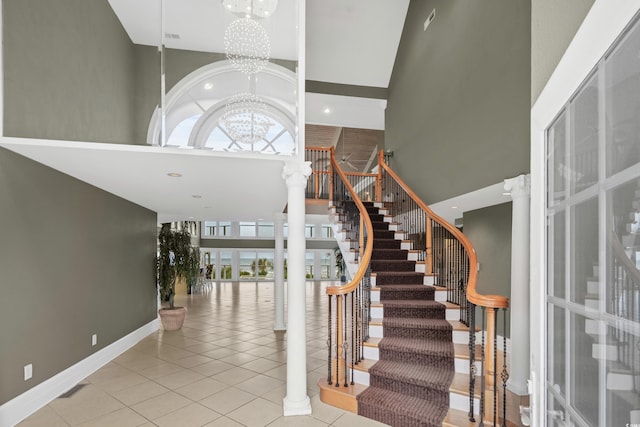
<point x="208" y="86"/>
<point x="327" y="110"/>
<point x="191" y="217"/>
<point x="174" y="174"/>
<point x="454" y="207"/>
<point x="196" y="196"/>
<point x="506" y="194"/>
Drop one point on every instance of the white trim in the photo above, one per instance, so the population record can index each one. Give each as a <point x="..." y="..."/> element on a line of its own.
<point x="20" y="407"/>
<point x="601" y="27"/>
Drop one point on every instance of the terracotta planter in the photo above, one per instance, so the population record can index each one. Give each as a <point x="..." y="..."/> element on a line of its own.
<point x="172" y="320"/>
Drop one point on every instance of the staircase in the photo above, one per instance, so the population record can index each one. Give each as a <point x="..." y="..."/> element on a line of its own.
<point x="399" y="350"/>
<point x="409" y="385"/>
<point x="416" y="362"/>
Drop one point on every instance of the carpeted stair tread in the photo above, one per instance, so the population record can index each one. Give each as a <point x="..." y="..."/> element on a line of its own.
<point x="397" y="265"/>
<point x="443" y="349"/>
<point x="409" y="322"/>
<point x="398" y="409"/>
<point x="398" y="278"/>
<point x="387" y="244"/>
<point x="407" y="292"/>
<point x="413" y="303"/>
<point x="433" y="377"/>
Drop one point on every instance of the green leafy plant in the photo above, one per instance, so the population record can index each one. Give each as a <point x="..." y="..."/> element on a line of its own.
<point x="173" y="260"/>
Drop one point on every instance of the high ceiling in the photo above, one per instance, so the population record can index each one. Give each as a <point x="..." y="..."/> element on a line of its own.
<point x="347" y="42"/>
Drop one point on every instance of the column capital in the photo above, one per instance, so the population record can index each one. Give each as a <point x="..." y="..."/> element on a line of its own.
<point x="520" y="186"/>
<point x="295" y="173"/>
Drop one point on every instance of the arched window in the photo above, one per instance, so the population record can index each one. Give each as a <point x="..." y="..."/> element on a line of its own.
<point x="195" y="105"/>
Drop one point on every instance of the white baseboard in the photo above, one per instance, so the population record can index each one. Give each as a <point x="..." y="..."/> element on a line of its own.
<point x="20" y="407"/>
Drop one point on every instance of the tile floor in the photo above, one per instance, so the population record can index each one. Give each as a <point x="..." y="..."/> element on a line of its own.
<point x="226" y="367"/>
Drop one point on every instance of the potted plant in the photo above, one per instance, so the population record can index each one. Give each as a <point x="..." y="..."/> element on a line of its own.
<point x="340" y="264"/>
<point x="173" y="262"/>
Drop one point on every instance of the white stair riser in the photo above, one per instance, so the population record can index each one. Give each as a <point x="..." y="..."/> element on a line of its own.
<point x="592" y="327"/>
<point x="461" y="402"/>
<point x="375" y="331"/>
<point x="393" y="227"/>
<point x="421" y="267"/>
<point x="592" y="304"/>
<point x="429" y="280"/>
<point x="375" y="296"/>
<point x="616" y="381"/>
<point x="360" y="377"/>
<point x="593" y="287"/>
<point x="452" y="314"/>
<point x="604" y="352"/>
<point x="400" y="236"/>
<point x="462" y="365"/>
<point x="461" y="337"/>
<point x="377" y="312"/>
<point x="405" y="246"/>
<point x="412" y="256"/>
<point x="371" y="353"/>
<point x="441" y="296"/>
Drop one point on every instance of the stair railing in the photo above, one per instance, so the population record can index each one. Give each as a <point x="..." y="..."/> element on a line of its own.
<point x="349" y="305"/>
<point x="450" y="257"/>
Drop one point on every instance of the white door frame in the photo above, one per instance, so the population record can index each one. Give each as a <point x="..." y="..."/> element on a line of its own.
<point x="603" y="24"/>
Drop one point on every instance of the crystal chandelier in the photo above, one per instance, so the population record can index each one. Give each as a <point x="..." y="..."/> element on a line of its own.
<point x="245" y="118"/>
<point x="247" y="45"/>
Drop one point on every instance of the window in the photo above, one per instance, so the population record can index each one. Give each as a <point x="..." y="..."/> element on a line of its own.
<point x="224" y="228"/>
<point x="265" y="229"/>
<point x="209" y="228"/>
<point x="247" y="229"/>
<point x="327" y="231"/>
<point x="309" y="231"/>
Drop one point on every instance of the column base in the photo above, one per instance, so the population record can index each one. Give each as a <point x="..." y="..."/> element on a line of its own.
<point x="279" y="328"/>
<point x="291" y="408"/>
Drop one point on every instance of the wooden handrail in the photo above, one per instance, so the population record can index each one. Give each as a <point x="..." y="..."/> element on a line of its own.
<point x="366" y="257"/>
<point x="489" y="301"/>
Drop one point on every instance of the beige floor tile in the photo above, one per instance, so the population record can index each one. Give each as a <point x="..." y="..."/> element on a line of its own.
<point x="261" y="365"/>
<point x="44" y="417"/>
<point x="257" y="413"/>
<point x="238" y="359"/>
<point x="234" y="375"/>
<point x="277" y="394"/>
<point x="191" y="361"/>
<point x="86" y="404"/>
<point x="139" y="393"/>
<point x="202" y="347"/>
<point x="227" y="400"/>
<point x="201" y="389"/>
<point x="124" y="417"/>
<point x="212" y="368"/>
<point x="179" y="379"/>
<point x="280" y="372"/>
<point x="219" y="353"/>
<point x="121" y="382"/>
<point x="161" y="405"/>
<point x="160" y="369"/>
<point x="353" y="420"/>
<point x="324" y="412"/>
<point x="259" y="384"/>
<point x="306" y="421"/>
<point x="223" y="422"/>
<point x="193" y="415"/>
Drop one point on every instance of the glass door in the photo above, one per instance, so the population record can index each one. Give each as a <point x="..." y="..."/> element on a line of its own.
<point x="592" y="253"/>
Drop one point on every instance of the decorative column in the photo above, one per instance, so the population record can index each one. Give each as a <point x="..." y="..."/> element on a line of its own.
<point x="278" y="261"/>
<point x="296" y="402"/>
<point x="520" y="188"/>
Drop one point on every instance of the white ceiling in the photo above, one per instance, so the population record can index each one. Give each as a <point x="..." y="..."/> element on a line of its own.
<point x="350" y="42"/>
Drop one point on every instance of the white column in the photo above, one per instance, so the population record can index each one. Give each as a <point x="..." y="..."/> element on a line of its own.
<point x="278" y="267"/>
<point x="520" y="188"/>
<point x="296" y="402"/>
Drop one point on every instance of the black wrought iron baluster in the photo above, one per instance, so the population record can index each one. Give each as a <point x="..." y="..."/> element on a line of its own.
<point x="505" y="372"/>
<point x="353" y="336"/>
<point x="345" y="343"/>
<point x="495" y="366"/>
<point x="482" y="366"/>
<point x="472" y="361"/>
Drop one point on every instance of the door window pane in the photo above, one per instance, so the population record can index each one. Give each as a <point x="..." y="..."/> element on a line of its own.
<point x="584" y="138"/>
<point x="623" y="105"/>
<point x="556" y="255"/>
<point x="556" y="349"/>
<point x="265" y="265"/>
<point x="226" y="272"/>
<point x="586" y="352"/>
<point x="556" y="160"/>
<point x="584" y="252"/>
<point x="247" y="229"/>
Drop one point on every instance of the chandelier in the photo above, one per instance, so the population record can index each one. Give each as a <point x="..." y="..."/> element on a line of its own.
<point x="247" y="45"/>
<point x="245" y="118"/>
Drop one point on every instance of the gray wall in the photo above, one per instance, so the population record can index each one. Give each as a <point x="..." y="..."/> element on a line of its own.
<point x="69" y="72"/>
<point x="553" y="26"/>
<point x="75" y="261"/>
<point x="489" y="230"/>
<point x="459" y="96"/>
